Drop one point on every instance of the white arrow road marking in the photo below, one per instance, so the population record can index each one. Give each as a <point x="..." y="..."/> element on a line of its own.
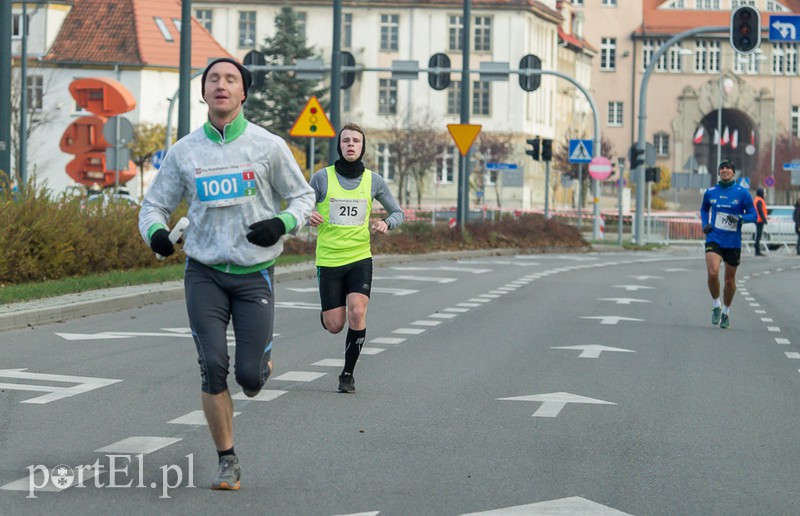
<point x="624" y="300"/>
<point x="612" y="319"/>
<point x="563" y="506"/>
<point x="553" y="402"/>
<point x="633" y="287"/>
<point x="415" y="278"/>
<point x="645" y="277"/>
<point x="472" y="270"/>
<point x="593" y="350"/>
<point x="84" y="384"/>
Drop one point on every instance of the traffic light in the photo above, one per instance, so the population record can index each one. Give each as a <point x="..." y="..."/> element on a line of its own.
<point x="652" y="174"/>
<point x="348" y="77"/>
<point x="637" y="157"/>
<point x="745" y="29"/>
<point x="441" y="80"/>
<point x="256" y="58"/>
<point x="530" y="82"/>
<point x="547" y="150"/>
<point x="534" y="150"/>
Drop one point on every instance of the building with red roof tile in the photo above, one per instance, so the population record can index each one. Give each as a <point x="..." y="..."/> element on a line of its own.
<point x="135" y="42"/>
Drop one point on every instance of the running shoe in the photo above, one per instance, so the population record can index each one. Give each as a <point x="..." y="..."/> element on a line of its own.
<point x="229" y="474"/>
<point x="347" y="383"/>
<point x="725" y="322"/>
<point x="715" y="314"/>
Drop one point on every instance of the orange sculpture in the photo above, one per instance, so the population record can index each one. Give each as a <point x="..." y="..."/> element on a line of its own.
<point x="84" y="138"/>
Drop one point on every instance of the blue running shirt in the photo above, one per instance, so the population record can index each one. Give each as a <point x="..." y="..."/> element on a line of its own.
<point x="725" y="208"/>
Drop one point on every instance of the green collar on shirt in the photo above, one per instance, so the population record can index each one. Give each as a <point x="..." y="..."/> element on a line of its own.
<point x="231" y="131"/>
<point x="726" y="184"/>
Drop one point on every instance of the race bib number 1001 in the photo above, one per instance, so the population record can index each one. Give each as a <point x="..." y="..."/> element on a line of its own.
<point x="348" y="212"/>
<point x="225" y="186"/>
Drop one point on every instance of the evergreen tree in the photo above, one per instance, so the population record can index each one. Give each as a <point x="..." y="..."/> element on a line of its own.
<point x="276" y="105"/>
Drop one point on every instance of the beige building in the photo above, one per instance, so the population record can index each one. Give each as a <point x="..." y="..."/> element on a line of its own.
<point x="692" y="82"/>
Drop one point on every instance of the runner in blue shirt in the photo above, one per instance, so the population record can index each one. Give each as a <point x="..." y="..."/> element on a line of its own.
<point x="725" y="206"/>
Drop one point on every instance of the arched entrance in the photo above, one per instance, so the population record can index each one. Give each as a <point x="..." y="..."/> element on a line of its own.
<point x="732" y="137"/>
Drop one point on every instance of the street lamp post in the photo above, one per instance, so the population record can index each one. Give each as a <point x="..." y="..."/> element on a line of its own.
<point x="641" y="144"/>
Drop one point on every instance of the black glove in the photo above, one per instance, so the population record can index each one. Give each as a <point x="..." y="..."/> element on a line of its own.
<point x="161" y="244"/>
<point x="707" y="229"/>
<point x="266" y="233"/>
<point x="731" y="219"/>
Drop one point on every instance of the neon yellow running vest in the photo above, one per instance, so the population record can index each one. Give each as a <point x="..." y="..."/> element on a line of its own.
<point x="344" y="236"/>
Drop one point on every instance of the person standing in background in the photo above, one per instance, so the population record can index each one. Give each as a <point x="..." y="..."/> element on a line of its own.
<point x="761" y="213"/>
<point x="796" y="217"/>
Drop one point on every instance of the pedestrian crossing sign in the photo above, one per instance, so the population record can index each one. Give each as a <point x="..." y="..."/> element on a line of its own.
<point x="580" y="151"/>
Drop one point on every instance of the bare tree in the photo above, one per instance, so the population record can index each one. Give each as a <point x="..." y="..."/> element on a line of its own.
<point x="490" y="148"/>
<point x="414" y="145"/>
<point x="36" y="117"/>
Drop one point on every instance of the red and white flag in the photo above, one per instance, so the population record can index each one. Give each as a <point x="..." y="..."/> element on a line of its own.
<point x="735" y="139"/>
<point x="726" y="137"/>
<point x="716" y="136"/>
<point x="698" y="136"/>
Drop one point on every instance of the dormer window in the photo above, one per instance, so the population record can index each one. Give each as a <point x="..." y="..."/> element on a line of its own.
<point x="164" y="30"/>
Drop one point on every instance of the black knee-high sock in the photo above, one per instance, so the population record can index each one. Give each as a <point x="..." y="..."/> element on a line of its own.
<point x="352" y="348"/>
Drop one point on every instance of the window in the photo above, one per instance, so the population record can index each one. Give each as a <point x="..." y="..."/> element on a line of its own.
<point x="483" y="34"/>
<point x="16" y="25"/>
<point x="163" y="28"/>
<point x="177" y="23"/>
<point x="796" y="121"/>
<point x="708" y="5"/>
<point x="737" y="3"/>
<point x="577" y="2"/>
<point x="615" y="114"/>
<point x="347" y="30"/>
<point x="247" y="29"/>
<point x="445" y="165"/>
<point x="481" y="93"/>
<point x="454" y="98"/>
<point x="675" y="58"/>
<point x="204" y="17"/>
<point x="386" y="163"/>
<point x="610" y="3"/>
<point x="608" y="54"/>
<point x="455" y="28"/>
<point x="778" y="54"/>
<point x="776" y="7"/>
<point x="661" y="143"/>
<point x="706" y="56"/>
<point x="35" y="92"/>
<point x="790" y="58"/>
<point x="300" y="23"/>
<point x="387" y="97"/>
<point x="747" y="64"/>
<point x="390" y="30"/>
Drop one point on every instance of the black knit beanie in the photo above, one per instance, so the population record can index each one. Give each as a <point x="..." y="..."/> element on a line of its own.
<point x="247" y="78"/>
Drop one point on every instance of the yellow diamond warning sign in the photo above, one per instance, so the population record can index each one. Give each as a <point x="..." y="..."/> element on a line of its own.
<point x="312" y="122"/>
<point x="464" y="135"/>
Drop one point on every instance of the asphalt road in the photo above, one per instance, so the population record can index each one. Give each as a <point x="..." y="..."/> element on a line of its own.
<point x="533" y="384"/>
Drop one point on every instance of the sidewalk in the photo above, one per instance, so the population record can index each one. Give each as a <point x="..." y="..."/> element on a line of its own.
<point x="50" y="310"/>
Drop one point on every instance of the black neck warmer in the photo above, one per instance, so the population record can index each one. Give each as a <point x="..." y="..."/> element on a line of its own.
<point x="726" y="184"/>
<point x="349" y="169"/>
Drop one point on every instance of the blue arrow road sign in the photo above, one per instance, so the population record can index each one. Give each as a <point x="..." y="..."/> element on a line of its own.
<point x="784" y="27"/>
<point x="158" y="158"/>
<point x="791" y="166"/>
<point x="501" y="166"/>
<point x="580" y="151"/>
